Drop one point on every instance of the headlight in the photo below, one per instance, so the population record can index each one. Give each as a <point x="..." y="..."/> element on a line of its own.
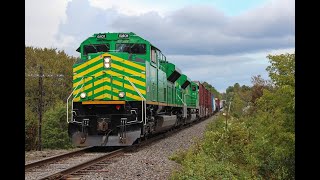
<point x="121" y="94"/>
<point x="107" y="61"/>
<point x="83" y="95"/>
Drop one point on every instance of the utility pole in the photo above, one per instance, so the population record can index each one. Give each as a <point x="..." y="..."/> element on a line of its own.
<point x="40" y="99"/>
<point x="40" y="107"/>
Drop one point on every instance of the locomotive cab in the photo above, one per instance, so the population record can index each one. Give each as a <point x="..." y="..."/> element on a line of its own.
<point x="109" y="88"/>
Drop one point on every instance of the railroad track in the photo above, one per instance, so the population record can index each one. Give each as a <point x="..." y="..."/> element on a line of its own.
<point x="56" y="166"/>
<point x="99" y="166"/>
<point x="64" y="173"/>
<point x="55" y="158"/>
<point x="96" y="163"/>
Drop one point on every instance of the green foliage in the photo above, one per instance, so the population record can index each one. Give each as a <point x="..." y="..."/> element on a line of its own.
<point x="239" y="97"/>
<point x="57" y="71"/>
<point x="276" y="111"/>
<point x="57" y="85"/>
<point x="237" y="106"/>
<point x="259" y="145"/>
<point x="31" y="129"/>
<point x="217" y="156"/>
<point x="55" y="134"/>
<point x="282" y="69"/>
<point x="178" y="156"/>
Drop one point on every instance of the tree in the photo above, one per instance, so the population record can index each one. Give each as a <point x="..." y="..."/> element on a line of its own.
<point x="260" y="145"/>
<point x="236" y="87"/>
<point x="259" y="84"/>
<point x="240" y="97"/>
<point x="55" y="134"/>
<point x="57" y="84"/>
<point x="275" y="120"/>
<point x="282" y="69"/>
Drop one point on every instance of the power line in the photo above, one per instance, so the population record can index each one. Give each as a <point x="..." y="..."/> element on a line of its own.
<point x="48" y="75"/>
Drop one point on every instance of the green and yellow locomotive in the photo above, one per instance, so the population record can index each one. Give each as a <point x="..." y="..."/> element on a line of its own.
<point x="125" y="90"/>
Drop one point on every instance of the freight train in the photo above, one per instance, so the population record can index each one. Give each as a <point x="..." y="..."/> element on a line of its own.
<point x="125" y="90"/>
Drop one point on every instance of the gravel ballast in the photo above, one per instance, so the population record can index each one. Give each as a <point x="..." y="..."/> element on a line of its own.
<point x="150" y="162"/>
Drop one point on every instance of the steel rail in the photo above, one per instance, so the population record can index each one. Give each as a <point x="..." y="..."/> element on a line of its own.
<point x="54" y="158"/>
<point x="62" y="174"/>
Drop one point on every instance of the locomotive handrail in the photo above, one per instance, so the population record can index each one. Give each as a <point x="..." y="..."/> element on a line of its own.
<point x="181" y="100"/>
<point x="72" y="99"/>
<point x="144" y="116"/>
<point x="184" y="106"/>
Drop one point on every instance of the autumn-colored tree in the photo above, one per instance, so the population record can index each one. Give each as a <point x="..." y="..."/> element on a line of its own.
<point x="259" y="84"/>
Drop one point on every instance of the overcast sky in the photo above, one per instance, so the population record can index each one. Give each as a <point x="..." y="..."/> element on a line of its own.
<point x="219" y="41"/>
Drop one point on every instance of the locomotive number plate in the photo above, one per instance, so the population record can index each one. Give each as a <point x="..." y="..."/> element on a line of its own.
<point x="122" y="35"/>
<point x="101" y="36"/>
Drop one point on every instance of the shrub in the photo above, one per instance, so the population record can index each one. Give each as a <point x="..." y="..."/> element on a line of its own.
<point x="55" y="135"/>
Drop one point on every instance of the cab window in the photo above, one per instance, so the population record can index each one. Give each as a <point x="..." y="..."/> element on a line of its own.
<point x="94" y="48"/>
<point x="153" y="56"/>
<point x="131" y="48"/>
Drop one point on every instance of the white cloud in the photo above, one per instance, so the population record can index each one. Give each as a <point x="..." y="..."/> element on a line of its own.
<point x="204" y="30"/>
<point x="280" y="51"/>
<point x="226" y="70"/>
<point x="222" y="71"/>
<point x="42" y="21"/>
<point x="274" y="18"/>
<point x="129" y="7"/>
<point x="203" y="42"/>
<point x="65" y="41"/>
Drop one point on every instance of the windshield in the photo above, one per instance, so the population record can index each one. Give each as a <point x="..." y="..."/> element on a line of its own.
<point x="131" y="48"/>
<point x="94" y="48"/>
